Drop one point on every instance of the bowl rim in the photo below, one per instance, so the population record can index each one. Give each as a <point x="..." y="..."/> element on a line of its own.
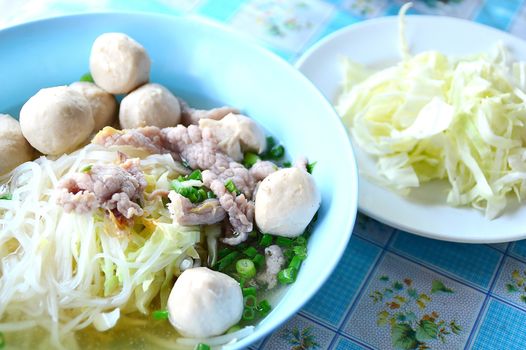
<point x="341" y="133"/>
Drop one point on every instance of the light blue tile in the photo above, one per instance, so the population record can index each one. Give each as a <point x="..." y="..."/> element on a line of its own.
<point x="502" y="327"/>
<point x="500" y="246"/>
<point x="518" y="27"/>
<point x="331" y="302"/>
<point x="474" y="263"/>
<point x="408" y="294"/>
<point x="346" y="344"/>
<point x="498" y="13"/>
<point x="299" y="333"/>
<point x="394" y="9"/>
<point x="518" y="249"/>
<point x="220" y="10"/>
<point x="372" y="230"/>
<point x="510" y="284"/>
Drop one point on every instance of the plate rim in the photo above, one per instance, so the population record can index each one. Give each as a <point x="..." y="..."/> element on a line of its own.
<point x="347" y="31"/>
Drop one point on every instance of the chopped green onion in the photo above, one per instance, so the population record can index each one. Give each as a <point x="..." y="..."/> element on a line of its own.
<point x="295" y="263"/>
<point x="241" y="246"/>
<point x="300" y="241"/>
<point x="245" y="268"/>
<point x="287" y="276"/>
<point x="195" y="175"/>
<point x="6" y="196"/>
<point x="194" y="194"/>
<point x="284" y="242"/>
<point x="2" y="340"/>
<point x="277" y="151"/>
<point x="250" y="252"/>
<point x="253" y="234"/>
<point x="249" y="314"/>
<point x="227" y="261"/>
<point x="310" y="167"/>
<point x="250" y="301"/>
<point x="270" y="143"/>
<point x="300" y="252"/>
<point x="287" y="164"/>
<point x="202" y="346"/>
<point x="231" y="187"/>
<point x="210" y="195"/>
<point x="241" y="281"/>
<point x="233" y="329"/>
<point x="160" y="315"/>
<point x="249" y="291"/>
<point x="263" y="308"/>
<point x="250" y="159"/>
<point x="86" y="77"/>
<point x="87" y="168"/>
<point x="265" y="240"/>
<point x="258" y="261"/>
<point x="289" y="253"/>
<point x="201" y="195"/>
<point x="224" y="252"/>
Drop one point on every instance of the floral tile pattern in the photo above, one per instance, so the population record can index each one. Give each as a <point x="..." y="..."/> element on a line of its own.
<point x="407" y="307"/>
<point x="299" y="334"/>
<point x="284" y="24"/>
<point x="511" y="282"/>
<point x="365" y="8"/>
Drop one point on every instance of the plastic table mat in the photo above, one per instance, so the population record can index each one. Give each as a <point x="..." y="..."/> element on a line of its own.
<point x="391" y="289"/>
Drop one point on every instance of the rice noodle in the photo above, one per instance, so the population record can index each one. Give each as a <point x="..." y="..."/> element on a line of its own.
<point x="62" y="271"/>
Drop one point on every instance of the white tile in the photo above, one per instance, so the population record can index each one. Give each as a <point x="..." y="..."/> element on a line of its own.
<point x="284" y="24"/>
<point x="299" y="333"/>
<point x="402" y="291"/>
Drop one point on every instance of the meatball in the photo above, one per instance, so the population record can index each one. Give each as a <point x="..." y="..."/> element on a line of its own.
<point x="236" y="134"/>
<point x="149" y="105"/>
<point x="286" y="202"/>
<point x="204" y="303"/>
<point x="119" y="64"/>
<point x="14" y="148"/>
<point x="56" y="120"/>
<point x="103" y="104"/>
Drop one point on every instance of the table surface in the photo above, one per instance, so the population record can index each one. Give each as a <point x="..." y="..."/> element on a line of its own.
<point x="391" y="290"/>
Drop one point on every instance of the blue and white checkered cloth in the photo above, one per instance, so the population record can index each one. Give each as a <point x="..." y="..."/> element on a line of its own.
<point x="392" y="290"/>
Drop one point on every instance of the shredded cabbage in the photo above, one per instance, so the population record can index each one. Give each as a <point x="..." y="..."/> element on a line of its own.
<point x="434" y="117"/>
<point x="65" y="272"/>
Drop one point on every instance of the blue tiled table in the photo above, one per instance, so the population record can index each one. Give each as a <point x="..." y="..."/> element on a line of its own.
<point x="391" y="289"/>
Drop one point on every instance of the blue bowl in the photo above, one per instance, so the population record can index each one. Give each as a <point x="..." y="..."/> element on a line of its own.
<point x="208" y="66"/>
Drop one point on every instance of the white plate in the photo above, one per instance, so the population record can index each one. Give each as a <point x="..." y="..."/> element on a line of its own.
<point x="375" y="43"/>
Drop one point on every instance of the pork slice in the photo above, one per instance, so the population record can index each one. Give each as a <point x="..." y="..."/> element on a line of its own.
<point x="110" y="186"/>
<point x="185" y="213"/>
<point x="262" y="169"/>
<point x="191" y="116"/>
